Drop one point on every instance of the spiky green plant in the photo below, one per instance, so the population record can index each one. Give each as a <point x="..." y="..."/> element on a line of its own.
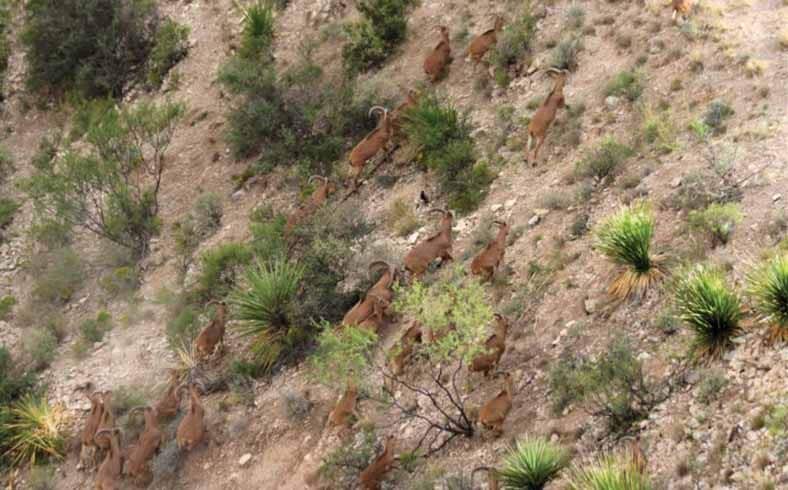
<point x="609" y="473"/>
<point x="625" y="239"/>
<point x="258" y="31"/>
<point x="265" y="306"/>
<point x="531" y="463"/>
<point x="768" y="285"/>
<point x="32" y="430"/>
<point x="710" y="309"/>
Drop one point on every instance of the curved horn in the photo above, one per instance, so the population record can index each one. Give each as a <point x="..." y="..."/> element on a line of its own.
<point x="377" y="108"/>
<point x="559" y="71"/>
<point x="498" y="316"/>
<point x="372" y="265"/>
<point x="500" y="223"/>
<point x="114" y="429"/>
<point x="438" y="210"/>
<point x="138" y="407"/>
<point x="313" y="177"/>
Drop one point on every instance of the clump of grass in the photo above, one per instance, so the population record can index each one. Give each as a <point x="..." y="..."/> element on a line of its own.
<point x="659" y="130"/>
<point x="716" y="114"/>
<point x="375" y="37"/>
<point x="564" y="54"/>
<point x="401" y="219"/>
<point x="717" y="221"/>
<point x="532" y="463"/>
<point x="712" y="383"/>
<point x="627" y="84"/>
<point x="603" y="161"/>
<point x="513" y="42"/>
<point x="555" y="200"/>
<point x="6" y="305"/>
<point x="32" y="431"/>
<point x="710" y="309"/>
<point x="40" y="345"/>
<point x="8" y="208"/>
<point x="768" y="286"/>
<point x="169" y="47"/>
<point x="575" y="17"/>
<point x="58" y="275"/>
<point x="625" y="239"/>
<point x="609" y="473"/>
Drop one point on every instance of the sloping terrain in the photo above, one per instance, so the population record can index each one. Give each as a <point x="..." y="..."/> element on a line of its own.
<point x="554" y="280"/>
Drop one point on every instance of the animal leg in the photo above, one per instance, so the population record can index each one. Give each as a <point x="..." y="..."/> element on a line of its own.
<point x="536" y="150"/>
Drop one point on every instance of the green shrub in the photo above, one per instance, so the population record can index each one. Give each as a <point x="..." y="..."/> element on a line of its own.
<point x="8" y="208"/>
<point x="374" y="38"/>
<point x="183" y="328"/>
<point x="5" y="49"/>
<point x="258" y="32"/>
<point x="768" y="286"/>
<point x="6" y="161"/>
<point x="122" y="160"/>
<point x="40" y="345"/>
<point x="13" y="381"/>
<point x="342" y="465"/>
<point x="41" y="478"/>
<point x="220" y="268"/>
<point x="712" y="383"/>
<point x="575" y="17"/>
<point x="612" y="386"/>
<point x="605" y="160"/>
<point x="716" y="115"/>
<point x="625" y="239"/>
<point x="515" y="40"/>
<point x="93" y="46"/>
<point x="6" y="305"/>
<point x="717" y="221"/>
<point x="264" y="307"/>
<point x="120" y="281"/>
<point x="342" y="356"/>
<point x="169" y="47"/>
<point x="609" y="473"/>
<point x="659" y="130"/>
<point x="58" y="275"/>
<point x="531" y="464"/>
<point x="93" y="330"/>
<point x="564" y="54"/>
<point x="446" y="148"/>
<point x="626" y="84"/>
<point x="33" y="431"/>
<point x="709" y="308"/>
<point x="202" y="222"/>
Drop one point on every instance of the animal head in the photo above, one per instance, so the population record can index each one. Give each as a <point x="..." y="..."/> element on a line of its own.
<point x="377" y="264"/>
<point x="382" y="110"/>
<point x="444" y="31"/>
<point x="446" y="219"/>
<point x="113" y="432"/>
<point x="498" y="23"/>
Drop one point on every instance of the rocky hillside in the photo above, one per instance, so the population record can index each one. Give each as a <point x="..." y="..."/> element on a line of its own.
<point x="667" y="353"/>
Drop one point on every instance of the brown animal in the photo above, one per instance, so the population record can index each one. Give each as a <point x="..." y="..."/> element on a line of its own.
<point x="374" y="321"/>
<point x="374" y="302"/>
<point x="681" y="7"/>
<point x="436" y="246"/>
<point x="382" y="287"/>
<point x="495" y="346"/>
<point x="191" y="430"/>
<point x="167" y="407"/>
<point x="373" y="474"/>
<point x="87" y="437"/>
<point x="345" y="407"/>
<point x="371" y="144"/>
<point x="636" y="456"/>
<point x="316" y="200"/>
<point x="409" y="339"/>
<point x="211" y="337"/>
<point x="147" y="444"/>
<point x="107" y="422"/>
<point x="545" y="115"/>
<point x="494" y="412"/>
<point x="439" y="58"/>
<point x="486" y="263"/>
<point x="484" y="41"/>
<point x="109" y="472"/>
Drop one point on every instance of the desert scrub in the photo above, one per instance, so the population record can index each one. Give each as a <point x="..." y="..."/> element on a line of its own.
<point x="609" y="473"/>
<point x="717" y="222"/>
<point x="531" y="464"/>
<point x="401" y="219"/>
<point x="627" y="84"/>
<point x="169" y="47"/>
<point x="8" y="207"/>
<point x="201" y="222"/>
<point x="716" y="114"/>
<point x="768" y="286"/>
<point x="659" y="130"/>
<point x="6" y="305"/>
<point x="374" y="38"/>
<point x="625" y="239"/>
<point x="712" y="382"/>
<point x="564" y="54"/>
<point x="5" y="48"/>
<point x="6" y="161"/>
<point x="220" y="268"/>
<point x="93" y="329"/>
<point x="32" y="431"/>
<point x="58" y="275"/>
<point x="710" y="309"/>
<point x="603" y="161"/>
<point x="447" y="148"/>
<point x="513" y="42"/>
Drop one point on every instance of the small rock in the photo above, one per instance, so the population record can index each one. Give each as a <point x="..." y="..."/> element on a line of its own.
<point x="776" y="197"/>
<point x="676" y="182"/>
<point x="590" y="305"/>
<point x="510" y="203"/>
<point x="534" y="220"/>
<point x="238" y="194"/>
<point x="244" y="459"/>
<point x="413" y="237"/>
<point x="495" y="208"/>
<point x="644" y="356"/>
<point x="612" y="102"/>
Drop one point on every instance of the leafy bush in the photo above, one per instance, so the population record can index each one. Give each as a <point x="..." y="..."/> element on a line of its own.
<point x="6" y="305"/>
<point x="373" y="39"/>
<point x="531" y="463"/>
<point x="603" y="161"/>
<point x="659" y="130"/>
<point x="446" y="148"/>
<point x="58" y="275"/>
<point x="13" y="382"/>
<point x="515" y="39"/>
<point x="122" y="160"/>
<point x="40" y="346"/>
<point x="8" y="208"/>
<point x="264" y="308"/>
<point x="710" y="309"/>
<point x="93" y="330"/>
<point x="342" y="356"/>
<point x="716" y="115"/>
<point x="612" y="386"/>
<point x="342" y="466"/>
<point x="169" y="47"/>
<point x="93" y="46"/>
<point x="258" y="31"/>
<point x="609" y="473"/>
<point x="717" y="221"/>
<point x="220" y="268"/>
<point x="768" y="286"/>
<point x="626" y="84"/>
<point x="32" y="431"/>
<point x="625" y="239"/>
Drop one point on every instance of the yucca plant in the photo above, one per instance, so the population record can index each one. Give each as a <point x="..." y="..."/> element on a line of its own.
<point x="768" y="285"/>
<point x="609" y="473"/>
<point x="258" y="30"/>
<point x="625" y="239"/>
<point x="265" y="306"/>
<point x="32" y="431"/>
<point x="531" y="463"/>
<point x="710" y="309"/>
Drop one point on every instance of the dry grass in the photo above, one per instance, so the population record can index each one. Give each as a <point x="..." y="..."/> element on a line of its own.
<point x="755" y="67"/>
<point x="782" y="39"/>
<point x="400" y="217"/>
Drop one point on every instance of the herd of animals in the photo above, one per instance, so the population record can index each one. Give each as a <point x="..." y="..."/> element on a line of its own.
<point x="100" y="434"/>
